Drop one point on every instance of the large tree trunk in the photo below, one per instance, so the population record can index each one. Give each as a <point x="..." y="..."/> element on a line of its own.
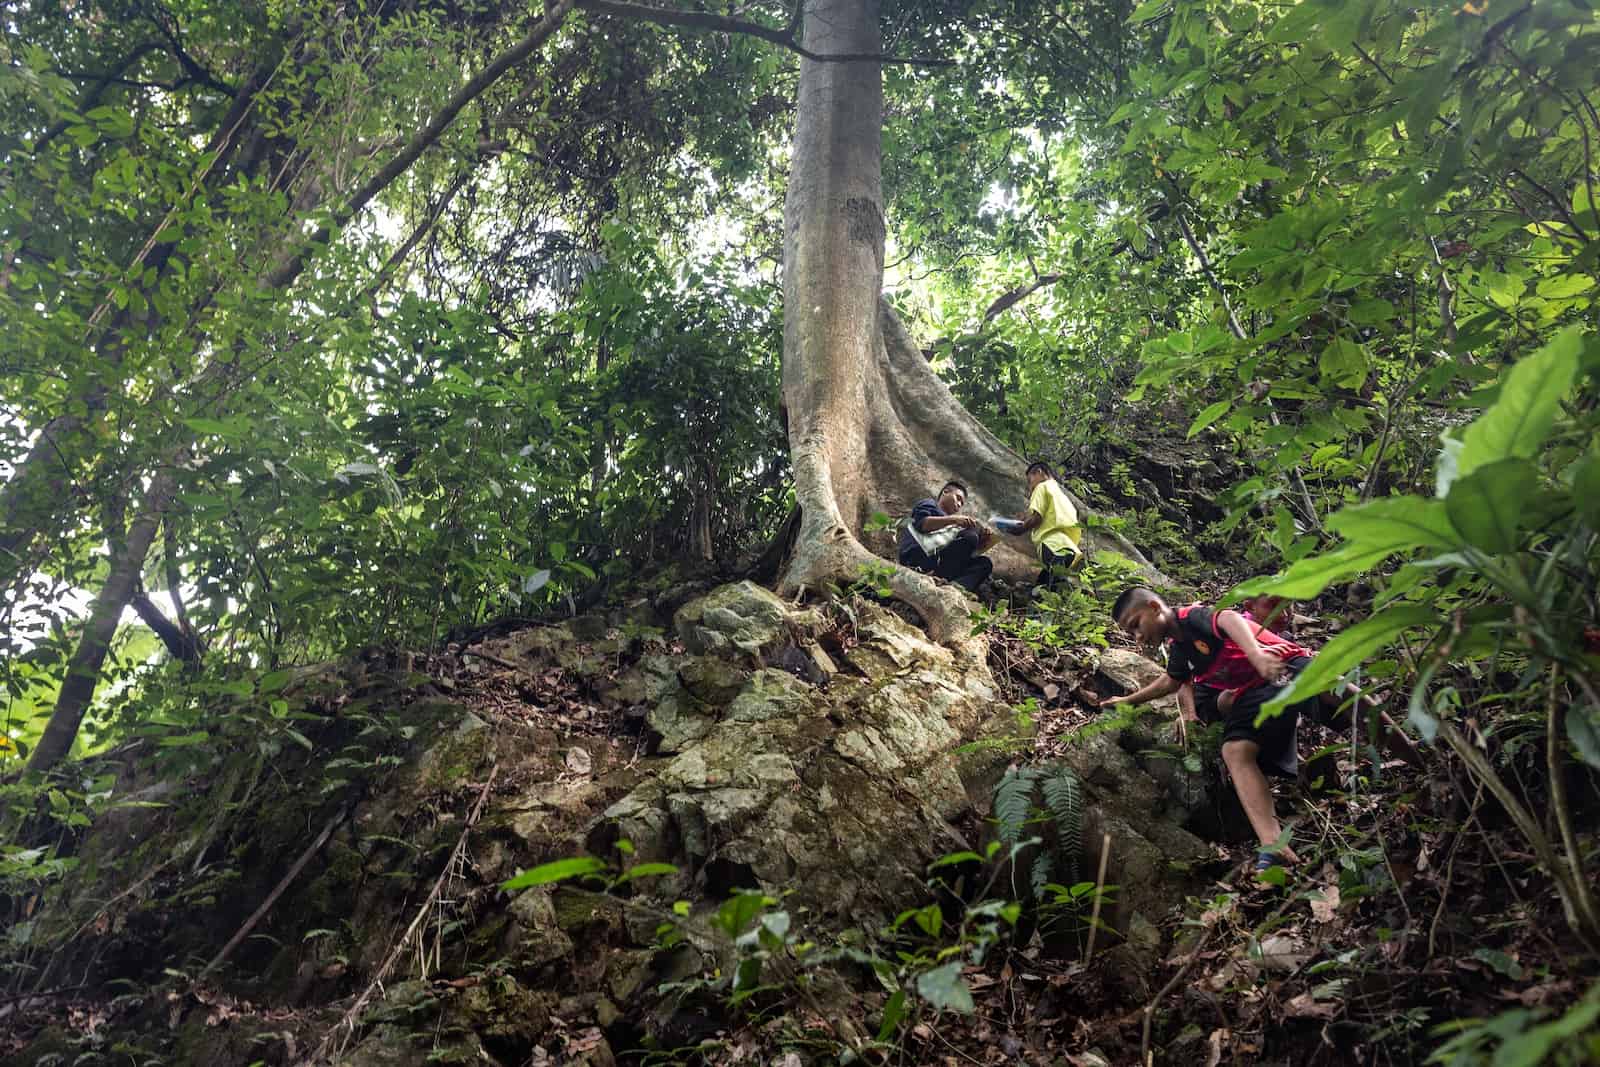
<point x="871" y="426"/>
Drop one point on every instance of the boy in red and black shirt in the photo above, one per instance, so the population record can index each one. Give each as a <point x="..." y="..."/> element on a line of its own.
<point x="1236" y="666"/>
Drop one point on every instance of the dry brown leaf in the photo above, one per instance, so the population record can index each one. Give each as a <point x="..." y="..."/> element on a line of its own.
<point x="1326" y="909"/>
<point x="579" y="761"/>
<point x="1280" y="953"/>
<point x="1304" y="1007"/>
<point x="1215" y="1044"/>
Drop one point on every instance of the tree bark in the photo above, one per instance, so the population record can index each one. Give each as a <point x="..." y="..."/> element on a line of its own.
<point x="871" y="426"/>
<point x="180" y="645"/>
<point x="83" y="672"/>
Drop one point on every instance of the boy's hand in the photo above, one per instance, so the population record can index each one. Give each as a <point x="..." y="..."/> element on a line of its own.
<point x="1272" y="668"/>
<point x="1107" y="702"/>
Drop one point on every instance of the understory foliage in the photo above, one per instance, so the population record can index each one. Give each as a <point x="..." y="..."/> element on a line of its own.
<point x="319" y="344"/>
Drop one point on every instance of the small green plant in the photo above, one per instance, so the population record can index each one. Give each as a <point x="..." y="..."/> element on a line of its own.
<point x="1521" y="1036"/>
<point x="1050" y="796"/>
<point x="872" y="579"/>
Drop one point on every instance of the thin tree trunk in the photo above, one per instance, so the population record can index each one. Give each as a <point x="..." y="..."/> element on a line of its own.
<point x="83" y="672"/>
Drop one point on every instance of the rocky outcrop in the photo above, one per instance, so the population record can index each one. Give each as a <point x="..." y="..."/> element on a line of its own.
<point x="824" y="757"/>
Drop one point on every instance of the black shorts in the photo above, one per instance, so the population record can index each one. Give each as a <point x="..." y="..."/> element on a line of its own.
<point x="1276" y="736"/>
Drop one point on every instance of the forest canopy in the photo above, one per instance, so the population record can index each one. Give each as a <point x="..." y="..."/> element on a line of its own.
<point x="444" y="304"/>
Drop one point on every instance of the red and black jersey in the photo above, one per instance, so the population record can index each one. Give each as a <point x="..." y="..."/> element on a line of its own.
<point x="1206" y="656"/>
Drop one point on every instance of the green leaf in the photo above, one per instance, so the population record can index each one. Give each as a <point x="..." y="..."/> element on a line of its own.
<point x="555" y="871"/>
<point x="1500" y="962"/>
<point x="1486" y="506"/>
<point x="893" y="1011"/>
<point x="1147" y="11"/>
<point x="1371" y="312"/>
<point x="1586" y="487"/>
<point x="1344" y="363"/>
<point x="208" y="426"/>
<point x="646" y="870"/>
<point x="951" y="858"/>
<point x="1211" y="414"/>
<point x="1310" y="576"/>
<point x="1530" y="393"/>
<point x="737" y="911"/>
<point x="1346" y="650"/>
<point x="1584" y="733"/>
<point x="945" y="989"/>
<point x="1396" y="523"/>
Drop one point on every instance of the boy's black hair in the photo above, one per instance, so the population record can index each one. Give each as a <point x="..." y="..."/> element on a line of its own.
<point x="1135" y="596"/>
<point x="955" y="483"/>
<point x="1041" y="465"/>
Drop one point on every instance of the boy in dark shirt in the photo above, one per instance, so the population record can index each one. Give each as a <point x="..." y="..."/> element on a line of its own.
<point x="955" y="540"/>
<point x="1236" y="666"/>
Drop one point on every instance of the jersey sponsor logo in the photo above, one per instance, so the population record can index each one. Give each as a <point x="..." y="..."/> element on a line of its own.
<point x="1202" y="648"/>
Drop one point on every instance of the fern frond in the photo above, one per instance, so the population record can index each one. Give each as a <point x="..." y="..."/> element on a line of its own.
<point x="1039" y="874"/>
<point x="1013" y="800"/>
<point x="1063" y="795"/>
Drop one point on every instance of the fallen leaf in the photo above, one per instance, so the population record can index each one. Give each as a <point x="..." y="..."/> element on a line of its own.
<point x="1327" y="908"/>
<point x="1218" y="1039"/>
<point x="1279" y="953"/>
<point x="1304" y="1007"/>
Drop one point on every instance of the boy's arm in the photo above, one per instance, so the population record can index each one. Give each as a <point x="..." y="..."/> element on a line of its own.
<point x="1233" y="626"/>
<point x="1162" y="686"/>
<point x="1186" y="708"/>
<point x="1029" y="521"/>
<point x="930" y="523"/>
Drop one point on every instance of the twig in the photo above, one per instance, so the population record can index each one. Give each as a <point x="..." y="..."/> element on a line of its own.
<point x="1150" y="1009"/>
<point x="347" y="1021"/>
<point x="489" y="657"/>
<point x="1450" y="866"/>
<point x="277" y="890"/>
<point x="1099" y="894"/>
<point x="1562" y="809"/>
<point x="784" y="38"/>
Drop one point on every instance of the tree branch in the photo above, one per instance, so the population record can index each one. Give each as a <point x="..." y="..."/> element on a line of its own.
<point x="554" y="15"/>
<point x="196" y="72"/>
<point x="784" y="38"/>
<point x="180" y="646"/>
<point x="1008" y="300"/>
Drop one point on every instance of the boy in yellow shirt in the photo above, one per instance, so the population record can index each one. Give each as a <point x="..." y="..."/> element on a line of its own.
<point x="1052" y="522"/>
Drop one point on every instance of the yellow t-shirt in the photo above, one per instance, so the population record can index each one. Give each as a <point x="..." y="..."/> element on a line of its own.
<point x="1058" y="528"/>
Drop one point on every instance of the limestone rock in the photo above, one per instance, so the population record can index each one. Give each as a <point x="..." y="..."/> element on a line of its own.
<point x="1128" y="668"/>
<point x="742" y="617"/>
<point x="769" y="694"/>
<point x="643" y="683"/>
<point x="678" y="719"/>
<point x="712" y="679"/>
<point x="842" y="795"/>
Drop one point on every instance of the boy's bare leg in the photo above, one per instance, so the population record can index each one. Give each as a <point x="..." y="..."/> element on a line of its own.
<point x="1255" y="794"/>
